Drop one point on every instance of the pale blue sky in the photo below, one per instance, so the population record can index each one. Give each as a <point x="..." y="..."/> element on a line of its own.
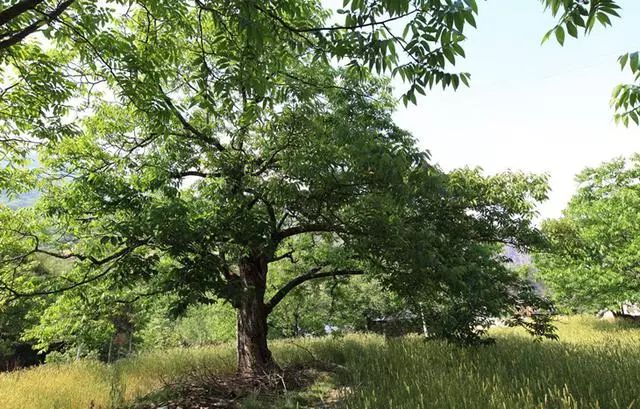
<point x="537" y="108"/>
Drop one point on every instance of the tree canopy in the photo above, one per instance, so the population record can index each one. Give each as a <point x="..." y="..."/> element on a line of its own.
<point x="56" y="57"/>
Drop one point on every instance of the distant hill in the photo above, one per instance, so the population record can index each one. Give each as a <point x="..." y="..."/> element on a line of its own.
<point x="517" y="257"/>
<point x="23" y="200"/>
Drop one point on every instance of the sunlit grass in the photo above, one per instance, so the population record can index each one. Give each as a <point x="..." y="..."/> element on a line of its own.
<point x="595" y="365"/>
<point x="85" y="383"/>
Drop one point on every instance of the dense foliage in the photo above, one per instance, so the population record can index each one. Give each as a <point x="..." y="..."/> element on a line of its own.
<point x="50" y="52"/>
<point x="593" y="259"/>
<point x="56" y="58"/>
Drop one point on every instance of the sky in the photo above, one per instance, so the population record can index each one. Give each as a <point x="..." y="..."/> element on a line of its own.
<point x="531" y="107"/>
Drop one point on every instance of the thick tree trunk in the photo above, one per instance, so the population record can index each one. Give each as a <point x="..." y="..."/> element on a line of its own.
<point x="254" y="357"/>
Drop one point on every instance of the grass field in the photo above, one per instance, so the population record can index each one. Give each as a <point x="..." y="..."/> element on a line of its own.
<point x="595" y="365"/>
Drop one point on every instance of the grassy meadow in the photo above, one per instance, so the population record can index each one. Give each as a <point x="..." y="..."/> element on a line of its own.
<point x="595" y="365"/>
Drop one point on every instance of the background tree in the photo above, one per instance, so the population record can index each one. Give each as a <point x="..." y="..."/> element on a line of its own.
<point x="593" y="259"/>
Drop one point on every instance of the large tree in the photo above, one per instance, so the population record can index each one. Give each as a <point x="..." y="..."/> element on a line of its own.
<point x="206" y="138"/>
<point x="593" y="259"/>
<point x="139" y="198"/>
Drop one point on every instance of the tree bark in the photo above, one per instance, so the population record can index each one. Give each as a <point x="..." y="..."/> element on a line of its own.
<point x="253" y="355"/>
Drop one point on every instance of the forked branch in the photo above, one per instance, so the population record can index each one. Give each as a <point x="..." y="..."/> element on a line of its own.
<point x="313" y="274"/>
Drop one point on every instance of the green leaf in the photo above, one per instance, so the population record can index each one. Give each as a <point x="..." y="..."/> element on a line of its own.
<point x="464" y="77"/>
<point x="473" y="5"/>
<point x="560" y="35"/>
<point x="449" y="54"/>
<point x="623" y="60"/>
<point x="634" y="61"/>
<point x="546" y="37"/>
<point x="604" y="19"/>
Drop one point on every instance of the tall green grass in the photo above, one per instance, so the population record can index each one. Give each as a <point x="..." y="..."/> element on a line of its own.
<point x="595" y="365"/>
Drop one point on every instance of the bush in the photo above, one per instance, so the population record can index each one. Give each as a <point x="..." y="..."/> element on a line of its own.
<point x="202" y="324"/>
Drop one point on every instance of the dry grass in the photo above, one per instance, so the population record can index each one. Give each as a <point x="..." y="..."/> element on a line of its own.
<point x="595" y="365"/>
<point x="82" y="384"/>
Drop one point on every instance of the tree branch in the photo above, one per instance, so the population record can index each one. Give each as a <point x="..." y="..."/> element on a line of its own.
<point x="298" y="30"/>
<point x="85" y="280"/>
<point x="17" y="294"/>
<point x="288" y="254"/>
<point x="22" y="34"/>
<point x="93" y="260"/>
<point x="195" y="173"/>
<point x="307" y="228"/>
<point x="82" y="257"/>
<point x="188" y="126"/>
<point x="14" y="11"/>
<point x="313" y="274"/>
